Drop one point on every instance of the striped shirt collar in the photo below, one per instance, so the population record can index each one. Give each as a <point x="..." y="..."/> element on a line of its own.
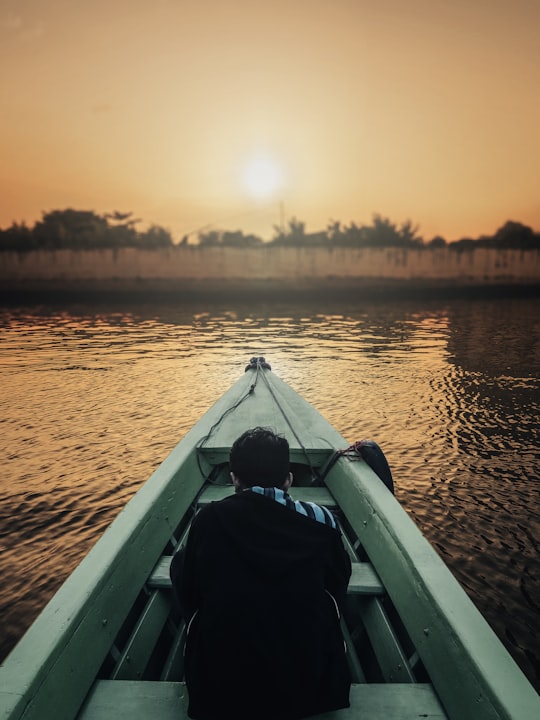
<point x="308" y="509"/>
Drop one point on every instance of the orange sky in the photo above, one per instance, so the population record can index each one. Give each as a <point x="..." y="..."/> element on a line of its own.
<point x="420" y="109"/>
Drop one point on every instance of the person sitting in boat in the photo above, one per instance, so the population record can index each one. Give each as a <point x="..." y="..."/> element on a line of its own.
<point x="261" y="583"/>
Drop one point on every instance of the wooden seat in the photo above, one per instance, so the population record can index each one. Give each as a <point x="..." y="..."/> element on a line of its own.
<point x="136" y="700"/>
<point x="318" y="495"/>
<point x="364" y="579"/>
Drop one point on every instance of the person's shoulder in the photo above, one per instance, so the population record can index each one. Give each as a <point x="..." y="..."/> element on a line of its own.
<point x="216" y="506"/>
<point x="206" y="516"/>
<point x="206" y="512"/>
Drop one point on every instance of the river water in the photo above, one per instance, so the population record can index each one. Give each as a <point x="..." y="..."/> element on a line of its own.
<point x="93" y="398"/>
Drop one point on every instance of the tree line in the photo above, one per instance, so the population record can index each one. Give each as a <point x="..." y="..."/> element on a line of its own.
<point x="83" y="230"/>
<point x="382" y="232"/>
<point x="86" y="230"/>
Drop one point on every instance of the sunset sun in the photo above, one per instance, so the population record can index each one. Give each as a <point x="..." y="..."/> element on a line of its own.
<point x="262" y="177"/>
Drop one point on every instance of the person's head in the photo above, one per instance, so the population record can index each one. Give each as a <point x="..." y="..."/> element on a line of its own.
<point x="260" y="457"/>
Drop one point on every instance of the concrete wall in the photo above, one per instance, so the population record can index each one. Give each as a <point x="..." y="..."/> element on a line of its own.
<point x="181" y="266"/>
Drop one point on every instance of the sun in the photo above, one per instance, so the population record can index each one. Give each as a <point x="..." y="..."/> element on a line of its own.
<point x="262" y="177"/>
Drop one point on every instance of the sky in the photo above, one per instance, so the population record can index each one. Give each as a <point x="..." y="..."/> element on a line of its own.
<point x="237" y="114"/>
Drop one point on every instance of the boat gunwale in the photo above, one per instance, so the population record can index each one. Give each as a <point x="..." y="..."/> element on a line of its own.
<point x="465" y="659"/>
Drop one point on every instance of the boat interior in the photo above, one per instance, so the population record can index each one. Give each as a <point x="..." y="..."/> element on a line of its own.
<point x="146" y="658"/>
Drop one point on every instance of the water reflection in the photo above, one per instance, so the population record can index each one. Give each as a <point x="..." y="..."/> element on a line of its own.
<point x="497" y="338"/>
<point x="93" y="398"/>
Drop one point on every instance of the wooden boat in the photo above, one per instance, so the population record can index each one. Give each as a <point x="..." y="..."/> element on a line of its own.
<point x="109" y="643"/>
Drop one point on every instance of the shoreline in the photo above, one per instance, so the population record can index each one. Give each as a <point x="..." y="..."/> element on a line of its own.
<point x="272" y="289"/>
<point x="195" y="272"/>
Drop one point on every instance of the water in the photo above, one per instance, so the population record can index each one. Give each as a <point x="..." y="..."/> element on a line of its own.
<point x="92" y="398"/>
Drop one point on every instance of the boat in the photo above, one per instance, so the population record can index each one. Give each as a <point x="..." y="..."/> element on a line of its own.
<point x="109" y="644"/>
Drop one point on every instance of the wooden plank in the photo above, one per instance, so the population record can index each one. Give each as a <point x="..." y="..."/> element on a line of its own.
<point x="349" y="546"/>
<point x="160" y="577"/>
<point x="317" y="457"/>
<point x="131" y="700"/>
<point x="174" y="665"/>
<point x="318" y="495"/>
<point x="135" y="700"/>
<point x="183" y="536"/>
<point x="391" y="702"/>
<point x="355" y="668"/>
<point x="364" y="580"/>
<point x="135" y="656"/>
<point x="392" y="660"/>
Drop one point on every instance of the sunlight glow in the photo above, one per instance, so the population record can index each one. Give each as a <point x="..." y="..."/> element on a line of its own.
<point x="262" y="177"/>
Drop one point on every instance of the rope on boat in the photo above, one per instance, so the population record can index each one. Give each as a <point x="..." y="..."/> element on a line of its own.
<point x="229" y="410"/>
<point x="257" y="364"/>
<point x="314" y="474"/>
<point x="371" y="453"/>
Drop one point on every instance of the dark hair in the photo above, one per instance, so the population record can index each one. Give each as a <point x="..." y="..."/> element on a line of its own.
<point x="260" y="457"/>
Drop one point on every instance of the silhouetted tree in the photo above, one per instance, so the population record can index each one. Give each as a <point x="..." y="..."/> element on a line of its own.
<point x="209" y="238"/>
<point x="437" y="242"/>
<point x="77" y="229"/>
<point x="334" y="232"/>
<point x="238" y="239"/>
<point x="83" y="230"/>
<point x="294" y="235"/>
<point x="382" y="233"/>
<point x="155" y="237"/>
<point x="16" y="237"/>
<point x="463" y="244"/>
<point x="385" y="233"/>
<point x="228" y="238"/>
<point x="408" y="234"/>
<point x="354" y="236"/>
<point x="122" y="232"/>
<point x="514" y="234"/>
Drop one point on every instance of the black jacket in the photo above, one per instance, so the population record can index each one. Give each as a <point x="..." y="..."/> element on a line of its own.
<point x="259" y="584"/>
